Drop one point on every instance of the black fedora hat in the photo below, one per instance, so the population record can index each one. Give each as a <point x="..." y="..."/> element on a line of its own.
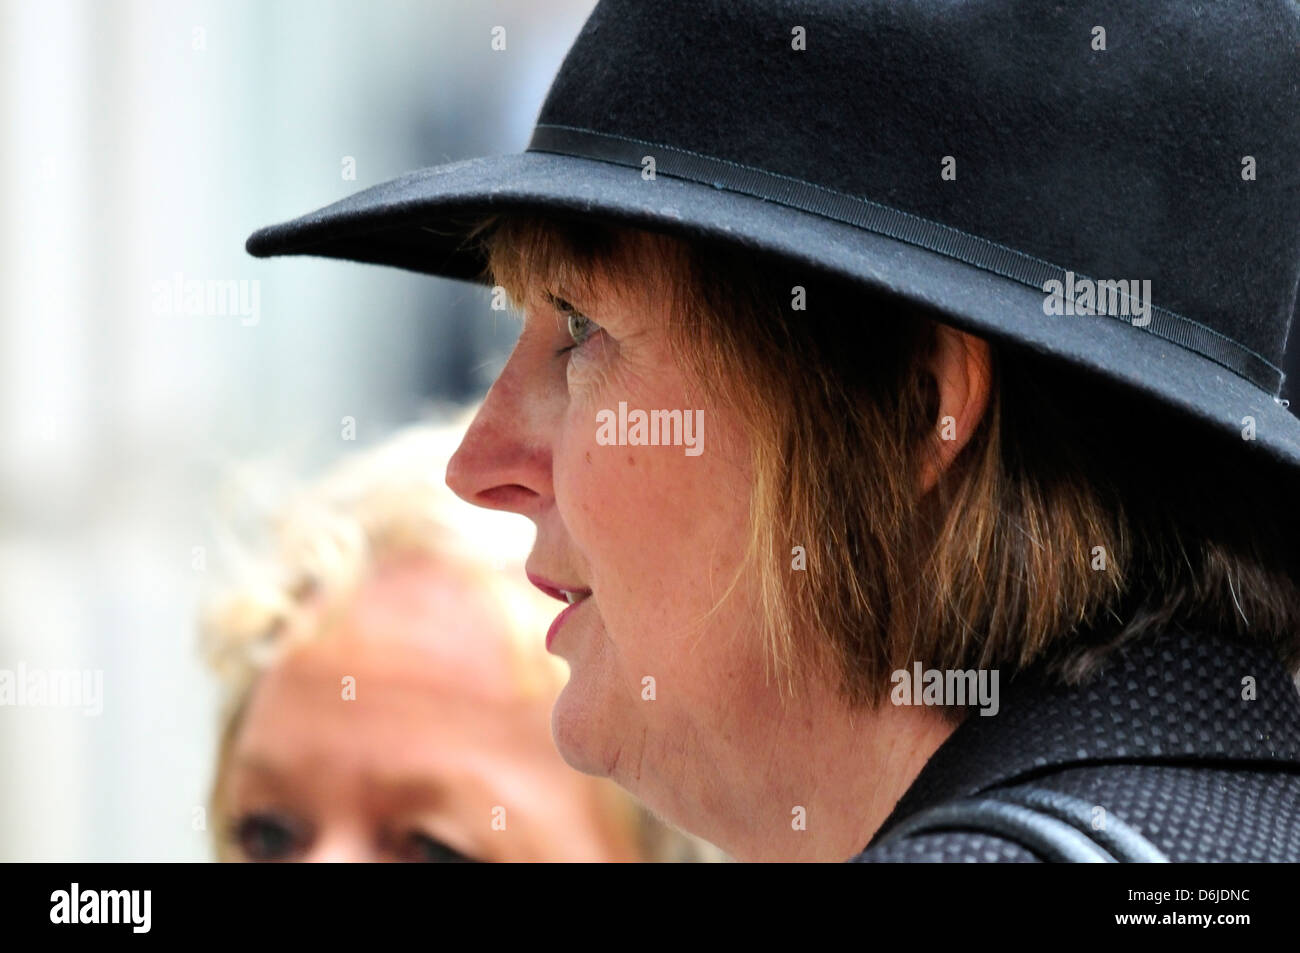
<point x="1111" y="184"/>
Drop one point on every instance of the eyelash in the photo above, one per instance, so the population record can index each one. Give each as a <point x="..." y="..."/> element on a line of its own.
<point x="414" y="845"/>
<point x="245" y="827"/>
<point x="569" y="311"/>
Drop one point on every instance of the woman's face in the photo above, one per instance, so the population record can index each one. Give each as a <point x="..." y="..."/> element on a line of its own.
<point x="403" y="736"/>
<point x="666" y="675"/>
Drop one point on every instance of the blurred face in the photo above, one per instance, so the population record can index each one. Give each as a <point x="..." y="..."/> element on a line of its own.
<point x="403" y="736"/>
<point x="666" y="692"/>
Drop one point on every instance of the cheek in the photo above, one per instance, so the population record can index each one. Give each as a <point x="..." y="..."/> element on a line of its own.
<point x="659" y="533"/>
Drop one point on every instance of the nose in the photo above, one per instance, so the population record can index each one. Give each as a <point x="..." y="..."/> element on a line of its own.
<point x="340" y="847"/>
<point x="504" y="459"/>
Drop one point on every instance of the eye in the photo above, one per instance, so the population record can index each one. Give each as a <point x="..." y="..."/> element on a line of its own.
<point x="268" y="836"/>
<point x="420" y="848"/>
<point x="579" y="326"/>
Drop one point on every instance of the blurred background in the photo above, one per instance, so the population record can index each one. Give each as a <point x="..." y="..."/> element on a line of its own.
<point x="142" y="143"/>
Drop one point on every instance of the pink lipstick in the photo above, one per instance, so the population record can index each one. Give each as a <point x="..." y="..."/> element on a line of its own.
<point x="573" y="595"/>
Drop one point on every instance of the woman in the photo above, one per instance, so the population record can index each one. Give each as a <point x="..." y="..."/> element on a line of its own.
<point x="386" y="698"/>
<point x="866" y="497"/>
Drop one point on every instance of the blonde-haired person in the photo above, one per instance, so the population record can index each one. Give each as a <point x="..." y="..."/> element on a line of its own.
<point x="388" y="693"/>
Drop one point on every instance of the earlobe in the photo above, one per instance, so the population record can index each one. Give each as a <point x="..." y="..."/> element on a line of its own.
<point x="960" y="367"/>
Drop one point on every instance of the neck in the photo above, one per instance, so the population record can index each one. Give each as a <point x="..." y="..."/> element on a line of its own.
<point x="812" y="782"/>
<point x="804" y="780"/>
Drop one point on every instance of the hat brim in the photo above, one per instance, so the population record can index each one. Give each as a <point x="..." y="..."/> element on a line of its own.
<point x="417" y="222"/>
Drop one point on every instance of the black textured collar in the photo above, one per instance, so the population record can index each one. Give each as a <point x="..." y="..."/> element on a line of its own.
<point x="1173" y="697"/>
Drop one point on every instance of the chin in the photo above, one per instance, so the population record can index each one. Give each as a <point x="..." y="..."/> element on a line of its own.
<point x="577" y="723"/>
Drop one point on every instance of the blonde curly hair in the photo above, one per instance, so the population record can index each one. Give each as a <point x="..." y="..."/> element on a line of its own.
<point x="319" y="543"/>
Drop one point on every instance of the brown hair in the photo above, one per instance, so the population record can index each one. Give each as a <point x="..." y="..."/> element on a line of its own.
<point x="1076" y="517"/>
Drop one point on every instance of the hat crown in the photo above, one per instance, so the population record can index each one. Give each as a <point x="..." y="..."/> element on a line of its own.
<point x="1153" y="142"/>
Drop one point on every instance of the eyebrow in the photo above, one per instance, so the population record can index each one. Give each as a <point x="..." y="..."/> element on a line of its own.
<point x="410" y="790"/>
<point x="405" y="789"/>
<point x="262" y="767"/>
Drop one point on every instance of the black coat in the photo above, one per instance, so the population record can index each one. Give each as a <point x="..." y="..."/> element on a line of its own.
<point x="1162" y="739"/>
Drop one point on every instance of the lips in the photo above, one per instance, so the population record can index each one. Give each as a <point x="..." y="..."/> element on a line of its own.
<point x="574" y="595"/>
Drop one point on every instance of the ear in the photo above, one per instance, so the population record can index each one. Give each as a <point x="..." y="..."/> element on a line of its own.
<point x="960" y="366"/>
